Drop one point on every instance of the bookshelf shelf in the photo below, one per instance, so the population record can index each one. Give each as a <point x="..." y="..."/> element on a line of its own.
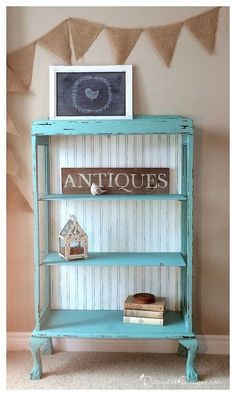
<point x="106" y="197"/>
<point x="120" y="258"/>
<point x="107" y="324"/>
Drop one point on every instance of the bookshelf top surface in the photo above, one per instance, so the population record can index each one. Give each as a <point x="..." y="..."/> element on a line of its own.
<point x="166" y="124"/>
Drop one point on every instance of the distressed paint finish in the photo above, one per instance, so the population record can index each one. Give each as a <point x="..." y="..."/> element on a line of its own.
<point x="99" y="322"/>
<point x="184" y="238"/>
<point x="138" y="125"/>
<point x="108" y="324"/>
<point x="36" y="234"/>
<point x="186" y="228"/>
<point x="47" y="348"/>
<point x="47" y="229"/>
<point x="182" y="351"/>
<point x="40" y="152"/>
<point x="35" y="344"/>
<point x="191" y="346"/>
<point x="189" y="233"/>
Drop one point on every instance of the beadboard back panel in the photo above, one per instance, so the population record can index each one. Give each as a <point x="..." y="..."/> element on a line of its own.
<point x="132" y="226"/>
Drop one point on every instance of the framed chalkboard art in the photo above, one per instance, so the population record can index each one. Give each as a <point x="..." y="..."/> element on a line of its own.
<point x="90" y="92"/>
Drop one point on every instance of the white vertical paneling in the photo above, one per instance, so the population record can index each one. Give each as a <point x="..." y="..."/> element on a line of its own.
<point x="88" y="274"/>
<point x="116" y="225"/>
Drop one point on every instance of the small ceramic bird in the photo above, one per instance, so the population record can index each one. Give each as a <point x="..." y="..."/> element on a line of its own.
<point x="96" y="190"/>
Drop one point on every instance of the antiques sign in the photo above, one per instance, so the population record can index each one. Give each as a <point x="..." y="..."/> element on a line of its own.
<point x="116" y="180"/>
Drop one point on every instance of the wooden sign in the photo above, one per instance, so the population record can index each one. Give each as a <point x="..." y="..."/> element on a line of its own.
<point x="116" y="180"/>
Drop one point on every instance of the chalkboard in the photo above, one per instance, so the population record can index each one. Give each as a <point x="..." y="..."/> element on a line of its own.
<point x="95" y="92"/>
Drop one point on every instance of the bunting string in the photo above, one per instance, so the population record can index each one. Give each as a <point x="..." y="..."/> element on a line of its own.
<point x="81" y="34"/>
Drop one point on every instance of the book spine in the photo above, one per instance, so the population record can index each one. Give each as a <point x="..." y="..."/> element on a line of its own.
<point x="145" y="307"/>
<point x="137" y="320"/>
<point x="144" y="314"/>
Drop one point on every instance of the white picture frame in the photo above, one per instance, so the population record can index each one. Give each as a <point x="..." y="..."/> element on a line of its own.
<point x="71" y="95"/>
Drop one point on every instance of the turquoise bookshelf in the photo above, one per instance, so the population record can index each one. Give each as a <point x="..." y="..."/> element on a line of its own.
<point x="51" y="323"/>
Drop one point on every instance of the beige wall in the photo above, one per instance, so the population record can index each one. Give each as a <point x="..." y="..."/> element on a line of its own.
<point x="196" y="85"/>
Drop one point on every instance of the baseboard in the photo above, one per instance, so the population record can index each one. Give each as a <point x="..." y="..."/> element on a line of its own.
<point x="208" y="344"/>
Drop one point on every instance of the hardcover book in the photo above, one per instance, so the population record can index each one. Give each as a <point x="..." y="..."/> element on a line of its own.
<point x="137" y="320"/>
<point x="158" y="305"/>
<point x="144" y="314"/>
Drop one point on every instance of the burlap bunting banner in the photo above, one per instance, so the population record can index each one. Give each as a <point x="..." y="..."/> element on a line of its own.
<point x="18" y="176"/>
<point x="11" y="128"/>
<point x="83" y="34"/>
<point x="12" y="166"/>
<point x="164" y="39"/>
<point x="58" y="41"/>
<point x="15" y="199"/>
<point x="22" y="191"/>
<point x="204" y="28"/>
<point x="21" y="63"/>
<point x="14" y="84"/>
<point x="123" y="41"/>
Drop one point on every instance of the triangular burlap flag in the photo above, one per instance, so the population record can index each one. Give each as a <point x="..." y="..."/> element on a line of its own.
<point x="15" y="198"/>
<point x="164" y="39"/>
<point x="21" y="63"/>
<point x="11" y="128"/>
<point x="14" y="84"/>
<point x="83" y="34"/>
<point x="25" y="188"/>
<point x="204" y="28"/>
<point x="57" y="41"/>
<point x="123" y="41"/>
<point x="12" y="166"/>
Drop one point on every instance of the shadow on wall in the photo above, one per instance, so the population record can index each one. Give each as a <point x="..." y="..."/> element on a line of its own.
<point x="211" y="228"/>
<point x="20" y="268"/>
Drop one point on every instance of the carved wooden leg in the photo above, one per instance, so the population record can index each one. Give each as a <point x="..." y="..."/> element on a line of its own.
<point x="47" y="348"/>
<point x="35" y="344"/>
<point x="191" y="345"/>
<point x="182" y="351"/>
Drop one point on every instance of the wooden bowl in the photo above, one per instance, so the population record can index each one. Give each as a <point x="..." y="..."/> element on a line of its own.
<point x="144" y="298"/>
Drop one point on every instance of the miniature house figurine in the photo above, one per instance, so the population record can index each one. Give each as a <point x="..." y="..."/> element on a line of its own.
<point x="73" y="241"/>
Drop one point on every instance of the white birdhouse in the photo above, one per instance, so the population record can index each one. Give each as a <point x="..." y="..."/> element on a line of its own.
<point x="73" y="241"/>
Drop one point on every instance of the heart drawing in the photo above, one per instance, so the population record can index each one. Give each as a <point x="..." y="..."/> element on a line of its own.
<point x="90" y="94"/>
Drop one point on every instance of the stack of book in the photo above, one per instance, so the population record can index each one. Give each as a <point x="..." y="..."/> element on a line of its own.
<point x="153" y="313"/>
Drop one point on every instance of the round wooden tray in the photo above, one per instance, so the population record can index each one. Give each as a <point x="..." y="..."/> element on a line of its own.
<point x="144" y="298"/>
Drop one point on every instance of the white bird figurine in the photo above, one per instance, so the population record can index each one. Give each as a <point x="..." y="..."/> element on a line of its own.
<point x="96" y="190"/>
